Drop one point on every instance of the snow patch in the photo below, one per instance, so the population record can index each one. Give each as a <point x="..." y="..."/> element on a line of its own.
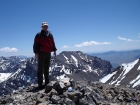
<point x="76" y="61"/>
<point x="138" y="68"/>
<point x="136" y="81"/>
<point x="66" y="58"/>
<point x="4" y="76"/>
<point x="107" y="77"/>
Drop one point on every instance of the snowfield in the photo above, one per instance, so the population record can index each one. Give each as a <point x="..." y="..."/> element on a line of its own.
<point x="4" y="76"/>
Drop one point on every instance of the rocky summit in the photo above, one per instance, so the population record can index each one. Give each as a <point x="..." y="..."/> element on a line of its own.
<point x="70" y="92"/>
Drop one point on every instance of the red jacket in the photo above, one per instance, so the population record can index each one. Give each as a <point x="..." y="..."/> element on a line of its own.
<point x="44" y="42"/>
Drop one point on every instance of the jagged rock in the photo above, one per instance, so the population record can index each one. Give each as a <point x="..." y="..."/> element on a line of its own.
<point x="22" y="102"/>
<point x="10" y="100"/>
<point x="72" y="83"/>
<point x="59" y="86"/>
<point x="89" y="99"/>
<point x="97" y="98"/>
<point x="44" y="94"/>
<point x="120" y="98"/>
<point x="3" y="101"/>
<point x="127" y="99"/>
<point x="74" y="95"/>
<point x="83" y="93"/>
<point x="108" y="97"/>
<point x="52" y="92"/>
<point x="69" y="102"/>
<point x="30" y="103"/>
<point x="41" y="100"/>
<point x="81" y="89"/>
<point x="83" y="102"/>
<point x="115" y="90"/>
<point x="55" y="99"/>
<point x="44" y="103"/>
<point x="49" y="87"/>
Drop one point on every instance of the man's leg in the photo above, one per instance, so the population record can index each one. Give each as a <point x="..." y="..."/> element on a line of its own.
<point x="41" y="59"/>
<point x="46" y="67"/>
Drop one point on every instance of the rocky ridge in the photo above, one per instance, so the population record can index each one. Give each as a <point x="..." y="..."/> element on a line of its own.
<point x="70" y="92"/>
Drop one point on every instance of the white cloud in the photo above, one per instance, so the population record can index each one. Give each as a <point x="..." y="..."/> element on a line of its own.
<point x="91" y="43"/>
<point x="129" y="40"/>
<point x="7" y="49"/>
<point x="65" y="46"/>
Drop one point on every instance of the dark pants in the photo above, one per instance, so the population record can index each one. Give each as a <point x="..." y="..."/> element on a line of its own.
<point x="43" y="67"/>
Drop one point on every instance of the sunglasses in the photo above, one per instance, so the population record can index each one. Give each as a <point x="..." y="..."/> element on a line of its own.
<point x="44" y="26"/>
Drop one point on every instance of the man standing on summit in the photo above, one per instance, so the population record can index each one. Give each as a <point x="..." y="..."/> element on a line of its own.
<point x="43" y="46"/>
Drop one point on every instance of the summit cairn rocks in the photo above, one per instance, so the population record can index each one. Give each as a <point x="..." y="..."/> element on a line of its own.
<point x="70" y="92"/>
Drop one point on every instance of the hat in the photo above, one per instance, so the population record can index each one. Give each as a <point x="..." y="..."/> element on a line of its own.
<point x="44" y="24"/>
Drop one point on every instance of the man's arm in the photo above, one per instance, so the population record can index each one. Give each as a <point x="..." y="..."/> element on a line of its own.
<point x="36" y="45"/>
<point x="54" y="48"/>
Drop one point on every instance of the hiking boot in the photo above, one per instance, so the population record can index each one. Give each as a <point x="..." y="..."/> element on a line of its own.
<point x="41" y="86"/>
<point x="46" y="83"/>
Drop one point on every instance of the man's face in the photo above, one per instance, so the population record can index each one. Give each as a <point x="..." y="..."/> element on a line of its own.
<point x="45" y="28"/>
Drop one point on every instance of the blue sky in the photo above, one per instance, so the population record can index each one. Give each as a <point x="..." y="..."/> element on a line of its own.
<point x="77" y="25"/>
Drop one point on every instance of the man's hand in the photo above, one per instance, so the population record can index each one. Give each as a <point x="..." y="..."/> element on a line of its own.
<point x="36" y="56"/>
<point x="54" y="53"/>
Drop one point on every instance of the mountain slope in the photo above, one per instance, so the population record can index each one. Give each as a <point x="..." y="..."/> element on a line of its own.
<point x="9" y="64"/>
<point x="78" y="62"/>
<point x="128" y="75"/>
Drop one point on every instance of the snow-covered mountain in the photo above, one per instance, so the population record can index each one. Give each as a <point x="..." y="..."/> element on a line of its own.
<point x="18" y="73"/>
<point x="128" y="75"/>
<point x="9" y="64"/>
<point x="80" y="66"/>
